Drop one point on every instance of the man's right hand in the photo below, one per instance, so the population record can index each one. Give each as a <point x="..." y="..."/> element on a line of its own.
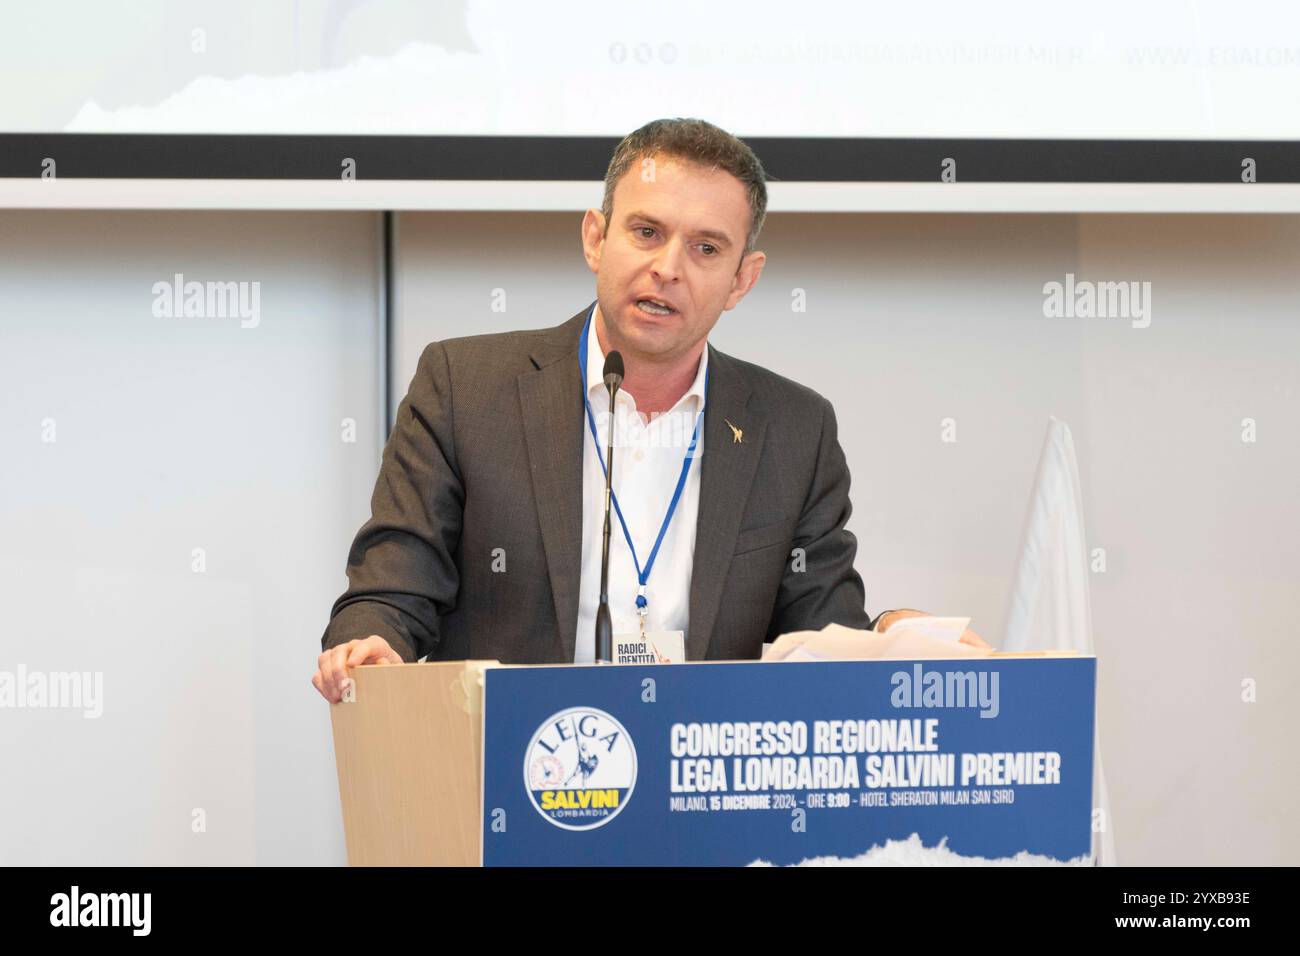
<point x="332" y="667"/>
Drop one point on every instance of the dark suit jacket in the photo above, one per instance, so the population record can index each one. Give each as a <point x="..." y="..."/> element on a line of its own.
<point x="486" y="454"/>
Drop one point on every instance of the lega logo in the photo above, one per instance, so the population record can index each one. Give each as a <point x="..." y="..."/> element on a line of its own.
<point x="580" y="769"/>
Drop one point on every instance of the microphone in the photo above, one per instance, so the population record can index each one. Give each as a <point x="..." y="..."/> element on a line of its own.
<point x="613" y="372"/>
<point x="613" y="376"/>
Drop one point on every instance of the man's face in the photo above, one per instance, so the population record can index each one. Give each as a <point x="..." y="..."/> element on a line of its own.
<point x="675" y="236"/>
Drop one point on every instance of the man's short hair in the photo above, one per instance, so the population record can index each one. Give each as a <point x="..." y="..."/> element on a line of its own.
<point x="698" y="142"/>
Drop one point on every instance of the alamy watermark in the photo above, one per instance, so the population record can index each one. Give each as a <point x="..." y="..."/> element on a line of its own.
<point x="670" y="429"/>
<point x="53" y="690"/>
<point x="1085" y="299"/>
<point x="75" y="908"/>
<point x="919" y="687"/>
<point x="208" y="300"/>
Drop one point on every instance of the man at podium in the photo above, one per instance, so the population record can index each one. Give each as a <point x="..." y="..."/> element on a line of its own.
<point x="730" y="491"/>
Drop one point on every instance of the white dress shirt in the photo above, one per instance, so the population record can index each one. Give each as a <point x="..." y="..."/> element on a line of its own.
<point x="647" y="464"/>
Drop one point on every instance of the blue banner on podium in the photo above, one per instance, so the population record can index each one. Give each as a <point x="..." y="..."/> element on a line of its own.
<point x="725" y="764"/>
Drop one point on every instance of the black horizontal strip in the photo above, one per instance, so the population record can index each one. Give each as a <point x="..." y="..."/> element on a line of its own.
<point x="551" y="158"/>
<point x="224" y="904"/>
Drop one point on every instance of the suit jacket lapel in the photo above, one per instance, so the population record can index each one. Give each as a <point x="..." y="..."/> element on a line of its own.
<point x="554" y="431"/>
<point x="551" y="400"/>
<point x="728" y="473"/>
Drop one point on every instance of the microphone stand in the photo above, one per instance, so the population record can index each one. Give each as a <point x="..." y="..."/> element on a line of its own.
<point x="604" y="626"/>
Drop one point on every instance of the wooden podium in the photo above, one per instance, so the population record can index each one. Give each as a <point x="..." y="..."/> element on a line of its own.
<point x="409" y="749"/>
<point x="474" y="763"/>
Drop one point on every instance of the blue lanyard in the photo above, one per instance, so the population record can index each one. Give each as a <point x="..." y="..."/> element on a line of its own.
<point x="643" y="574"/>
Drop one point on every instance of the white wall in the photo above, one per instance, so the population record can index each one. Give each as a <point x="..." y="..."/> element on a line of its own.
<point x="912" y="319"/>
<point x="173" y="434"/>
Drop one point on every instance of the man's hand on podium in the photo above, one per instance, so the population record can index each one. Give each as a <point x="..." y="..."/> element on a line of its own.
<point x="332" y="667"/>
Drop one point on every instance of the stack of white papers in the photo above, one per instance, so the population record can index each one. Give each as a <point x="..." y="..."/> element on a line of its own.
<point x="910" y="638"/>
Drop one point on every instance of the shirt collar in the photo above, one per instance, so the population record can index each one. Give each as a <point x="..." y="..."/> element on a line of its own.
<point x="596" y="369"/>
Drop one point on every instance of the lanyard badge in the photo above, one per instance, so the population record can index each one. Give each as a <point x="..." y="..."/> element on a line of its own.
<point x="643" y="574"/>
